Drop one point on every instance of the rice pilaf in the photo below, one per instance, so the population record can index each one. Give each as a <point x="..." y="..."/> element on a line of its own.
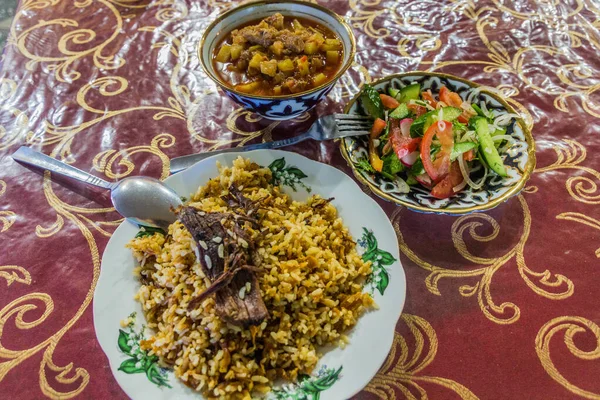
<point x="311" y="280"/>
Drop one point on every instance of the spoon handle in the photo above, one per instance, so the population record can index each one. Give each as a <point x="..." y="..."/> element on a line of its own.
<point x="31" y="157"/>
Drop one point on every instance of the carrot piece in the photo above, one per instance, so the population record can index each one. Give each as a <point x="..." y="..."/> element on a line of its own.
<point x="378" y="127"/>
<point x="388" y="101"/>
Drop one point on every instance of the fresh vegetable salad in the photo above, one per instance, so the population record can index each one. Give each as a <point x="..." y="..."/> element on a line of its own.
<point x="436" y="140"/>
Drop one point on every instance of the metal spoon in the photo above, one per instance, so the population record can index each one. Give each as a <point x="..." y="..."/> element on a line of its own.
<point x="140" y="199"/>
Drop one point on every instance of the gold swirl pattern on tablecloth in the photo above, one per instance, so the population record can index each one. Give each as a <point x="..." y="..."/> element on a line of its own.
<point x="582" y="219"/>
<point x="570" y="156"/>
<point x="15" y="273"/>
<point x="573" y="80"/>
<point x="403" y="366"/>
<point x="7" y="217"/>
<point x="106" y="86"/>
<point x="571" y="326"/>
<point x="546" y="284"/>
<point x="107" y="161"/>
<point x="63" y="64"/>
<point x="67" y="374"/>
<point x="20" y="129"/>
<point x="365" y="19"/>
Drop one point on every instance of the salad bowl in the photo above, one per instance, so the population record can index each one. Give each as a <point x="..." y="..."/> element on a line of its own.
<point x="517" y="158"/>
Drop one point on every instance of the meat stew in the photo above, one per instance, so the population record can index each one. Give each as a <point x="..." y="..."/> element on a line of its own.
<point x="278" y="56"/>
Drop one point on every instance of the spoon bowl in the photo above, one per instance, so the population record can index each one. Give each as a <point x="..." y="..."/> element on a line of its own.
<point x="145" y="201"/>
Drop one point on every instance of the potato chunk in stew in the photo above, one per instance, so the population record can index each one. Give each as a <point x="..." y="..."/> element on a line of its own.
<point x="278" y="55"/>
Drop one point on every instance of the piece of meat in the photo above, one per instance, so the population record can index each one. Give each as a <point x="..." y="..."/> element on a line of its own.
<point x="291" y="41"/>
<point x="227" y="265"/>
<point x="262" y="35"/>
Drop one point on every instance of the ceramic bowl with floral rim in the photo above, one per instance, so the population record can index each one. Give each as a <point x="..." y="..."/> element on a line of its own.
<point x="281" y="107"/>
<point x="519" y="159"/>
<point x="341" y="373"/>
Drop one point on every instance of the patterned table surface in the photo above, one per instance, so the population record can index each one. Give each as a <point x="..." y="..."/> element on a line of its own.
<point x="500" y="305"/>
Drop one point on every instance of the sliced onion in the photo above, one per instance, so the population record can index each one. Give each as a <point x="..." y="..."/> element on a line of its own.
<point x="460" y="186"/>
<point x="473" y="92"/>
<point x="469" y="136"/>
<point x="441" y="114"/>
<point x="504" y="119"/>
<point x="405" y="127"/>
<point x="441" y="125"/>
<point x="484" y="108"/>
<point x="492" y="127"/>
<point x="464" y="170"/>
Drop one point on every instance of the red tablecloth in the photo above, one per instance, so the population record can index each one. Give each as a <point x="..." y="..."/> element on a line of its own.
<point x="500" y="305"/>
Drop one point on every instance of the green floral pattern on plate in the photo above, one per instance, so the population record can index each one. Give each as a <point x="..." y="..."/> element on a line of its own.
<point x="308" y="387"/>
<point x="379" y="278"/>
<point x="139" y="361"/>
<point x="287" y="175"/>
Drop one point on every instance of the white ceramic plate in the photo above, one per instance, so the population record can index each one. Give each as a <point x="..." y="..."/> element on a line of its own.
<point x="139" y="375"/>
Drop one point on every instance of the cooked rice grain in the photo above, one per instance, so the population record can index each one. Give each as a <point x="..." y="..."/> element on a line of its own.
<point x="311" y="283"/>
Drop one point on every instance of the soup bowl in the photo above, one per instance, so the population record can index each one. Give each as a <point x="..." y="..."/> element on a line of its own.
<point x="286" y="106"/>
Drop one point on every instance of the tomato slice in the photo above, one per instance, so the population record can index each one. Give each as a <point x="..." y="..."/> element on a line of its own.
<point x="454" y="100"/>
<point x="378" y="127"/>
<point x="417" y="109"/>
<point x="450" y="98"/>
<point x="388" y="101"/>
<point x="439" y="168"/>
<point x="445" y="187"/>
<point x="428" y="97"/>
<point x="402" y="145"/>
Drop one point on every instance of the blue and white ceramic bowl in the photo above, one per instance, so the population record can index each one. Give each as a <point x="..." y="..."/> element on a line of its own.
<point x="519" y="159"/>
<point x="285" y="106"/>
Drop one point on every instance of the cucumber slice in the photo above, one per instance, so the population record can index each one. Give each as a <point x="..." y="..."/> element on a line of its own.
<point x="400" y="112"/>
<point x="371" y="102"/>
<point x="393" y="92"/>
<point x="410" y="92"/>
<point x="420" y="125"/>
<point x="451" y="113"/>
<point x="460" y="148"/>
<point x="487" y="146"/>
